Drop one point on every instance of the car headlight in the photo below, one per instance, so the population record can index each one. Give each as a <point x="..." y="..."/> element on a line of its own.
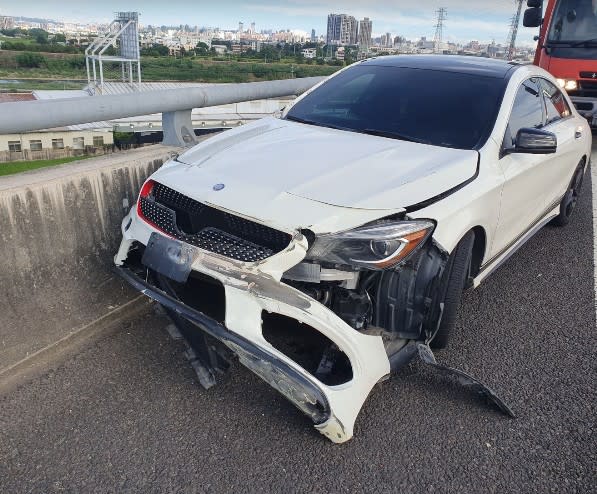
<point x="379" y="246"/>
<point x="568" y="84"/>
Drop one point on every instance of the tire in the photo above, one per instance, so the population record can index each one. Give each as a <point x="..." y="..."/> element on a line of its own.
<point x="568" y="204"/>
<point x="456" y="274"/>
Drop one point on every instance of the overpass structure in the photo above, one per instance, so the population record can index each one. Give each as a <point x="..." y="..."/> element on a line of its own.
<point x="175" y="106"/>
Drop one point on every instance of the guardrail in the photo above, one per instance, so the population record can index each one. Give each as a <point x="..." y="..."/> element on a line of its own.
<point x="175" y="105"/>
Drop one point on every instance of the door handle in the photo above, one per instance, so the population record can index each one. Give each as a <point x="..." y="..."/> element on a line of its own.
<point x="578" y="134"/>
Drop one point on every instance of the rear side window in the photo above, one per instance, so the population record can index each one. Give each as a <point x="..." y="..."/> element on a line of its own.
<point x="556" y="106"/>
<point x="526" y="112"/>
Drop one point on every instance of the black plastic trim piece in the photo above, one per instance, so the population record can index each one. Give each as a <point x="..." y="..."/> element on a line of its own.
<point x="449" y="192"/>
<point x="537" y="224"/>
<point x="281" y="376"/>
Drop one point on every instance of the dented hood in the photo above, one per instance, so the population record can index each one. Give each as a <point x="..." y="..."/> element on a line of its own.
<point x="295" y="175"/>
<point x="331" y="166"/>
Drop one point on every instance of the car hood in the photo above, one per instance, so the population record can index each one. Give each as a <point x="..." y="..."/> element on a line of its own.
<point x="274" y="167"/>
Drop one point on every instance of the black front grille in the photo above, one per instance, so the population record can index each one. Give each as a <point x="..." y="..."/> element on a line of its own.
<point x="583" y="106"/>
<point x="209" y="228"/>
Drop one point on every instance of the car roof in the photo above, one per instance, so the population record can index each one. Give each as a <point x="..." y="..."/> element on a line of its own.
<point x="487" y="67"/>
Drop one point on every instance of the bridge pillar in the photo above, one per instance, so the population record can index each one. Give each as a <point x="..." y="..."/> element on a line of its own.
<point x="178" y="128"/>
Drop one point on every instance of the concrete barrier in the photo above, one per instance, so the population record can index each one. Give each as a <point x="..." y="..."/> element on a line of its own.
<point x="59" y="228"/>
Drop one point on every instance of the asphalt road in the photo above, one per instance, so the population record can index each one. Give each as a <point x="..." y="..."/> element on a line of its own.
<point x="128" y="415"/>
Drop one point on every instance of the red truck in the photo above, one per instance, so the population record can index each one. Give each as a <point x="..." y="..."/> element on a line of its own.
<point x="567" y="47"/>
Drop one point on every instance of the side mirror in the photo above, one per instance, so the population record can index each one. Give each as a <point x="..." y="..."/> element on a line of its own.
<point x="532" y="17"/>
<point x="534" y="141"/>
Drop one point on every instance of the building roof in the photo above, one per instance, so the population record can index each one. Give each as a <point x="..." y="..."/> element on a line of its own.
<point x="125" y="88"/>
<point x="10" y="97"/>
<point x="44" y="94"/>
<point x="488" y="67"/>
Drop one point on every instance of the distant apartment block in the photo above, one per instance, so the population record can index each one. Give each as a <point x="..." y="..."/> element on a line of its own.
<point x="220" y="49"/>
<point x="365" y="28"/>
<point x="342" y="30"/>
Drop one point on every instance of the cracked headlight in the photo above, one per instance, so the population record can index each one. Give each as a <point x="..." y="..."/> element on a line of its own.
<point x="377" y="246"/>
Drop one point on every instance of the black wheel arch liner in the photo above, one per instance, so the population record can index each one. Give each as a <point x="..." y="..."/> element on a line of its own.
<point x="407" y="297"/>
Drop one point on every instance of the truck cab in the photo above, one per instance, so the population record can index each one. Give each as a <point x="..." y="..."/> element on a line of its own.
<point x="567" y="47"/>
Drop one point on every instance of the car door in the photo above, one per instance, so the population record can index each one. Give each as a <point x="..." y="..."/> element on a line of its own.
<point x="558" y="170"/>
<point x="523" y="193"/>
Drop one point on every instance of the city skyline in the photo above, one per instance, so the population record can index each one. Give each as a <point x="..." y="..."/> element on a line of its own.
<point x="410" y="18"/>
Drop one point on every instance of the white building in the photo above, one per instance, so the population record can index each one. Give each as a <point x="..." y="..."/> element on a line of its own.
<point x="309" y="52"/>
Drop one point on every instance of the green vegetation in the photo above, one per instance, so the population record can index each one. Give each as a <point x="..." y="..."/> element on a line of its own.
<point x="37" y="40"/>
<point x="33" y="85"/>
<point x="36" y="54"/>
<point x="190" y="69"/>
<point x="23" y="166"/>
<point x="183" y="69"/>
<point x="30" y="60"/>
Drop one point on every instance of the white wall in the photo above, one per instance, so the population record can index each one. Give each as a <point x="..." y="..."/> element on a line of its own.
<point x="46" y="138"/>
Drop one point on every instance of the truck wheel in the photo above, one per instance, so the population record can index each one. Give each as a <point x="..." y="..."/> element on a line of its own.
<point x="568" y="204"/>
<point x="455" y="276"/>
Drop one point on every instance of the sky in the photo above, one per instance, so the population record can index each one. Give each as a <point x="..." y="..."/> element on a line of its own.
<point x="481" y="20"/>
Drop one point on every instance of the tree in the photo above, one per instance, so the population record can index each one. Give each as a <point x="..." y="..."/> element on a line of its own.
<point x="201" y="48"/>
<point x="59" y="38"/>
<point x="39" y="35"/>
<point x="349" y="55"/>
<point x="31" y="60"/>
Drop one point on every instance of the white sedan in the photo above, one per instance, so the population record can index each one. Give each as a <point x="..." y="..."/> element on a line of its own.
<point x="327" y="248"/>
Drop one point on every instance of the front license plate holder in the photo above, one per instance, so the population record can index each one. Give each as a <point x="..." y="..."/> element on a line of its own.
<point x="169" y="257"/>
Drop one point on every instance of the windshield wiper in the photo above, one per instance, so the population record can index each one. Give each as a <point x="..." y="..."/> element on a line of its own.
<point x="393" y="135"/>
<point x="585" y="42"/>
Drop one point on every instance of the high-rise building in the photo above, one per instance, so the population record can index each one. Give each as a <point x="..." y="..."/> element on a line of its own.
<point x="253" y="27"/>
<point x="333" y="31"/>
<point x="240" y="27"/>
<point x="349" y="30"/>
<point x="313" y="37"/>
<point x="6" y="22"/>
<point x="365" y="28"/>
<point x="389" y="40"/>
<point x="342" y="30"/>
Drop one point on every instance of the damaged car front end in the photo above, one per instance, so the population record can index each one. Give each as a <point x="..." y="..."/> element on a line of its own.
<point x="327" y="248"/>
<point x="244" y="283"/>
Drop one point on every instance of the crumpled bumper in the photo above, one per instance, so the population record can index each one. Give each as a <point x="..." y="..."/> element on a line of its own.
<point x="250" y="289"/>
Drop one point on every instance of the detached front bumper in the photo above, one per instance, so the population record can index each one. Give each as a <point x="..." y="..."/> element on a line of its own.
<point x="253" y="288"/>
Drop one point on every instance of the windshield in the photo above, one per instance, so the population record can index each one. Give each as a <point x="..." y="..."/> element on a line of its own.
<point x="574" y="21"/>
<point x="447" y="109"/>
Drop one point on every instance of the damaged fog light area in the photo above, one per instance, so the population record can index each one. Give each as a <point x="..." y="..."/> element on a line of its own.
<point x="313" y="351"/>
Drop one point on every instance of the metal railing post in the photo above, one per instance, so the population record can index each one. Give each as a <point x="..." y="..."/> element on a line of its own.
<point x="178" y="128"/>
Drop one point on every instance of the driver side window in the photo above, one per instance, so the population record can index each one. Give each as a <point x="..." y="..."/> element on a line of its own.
<point x="526" y="112"/>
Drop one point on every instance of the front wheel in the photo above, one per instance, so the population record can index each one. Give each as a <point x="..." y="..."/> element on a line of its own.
<point x="570" y="200"/>
<point x="455" y="276"/>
